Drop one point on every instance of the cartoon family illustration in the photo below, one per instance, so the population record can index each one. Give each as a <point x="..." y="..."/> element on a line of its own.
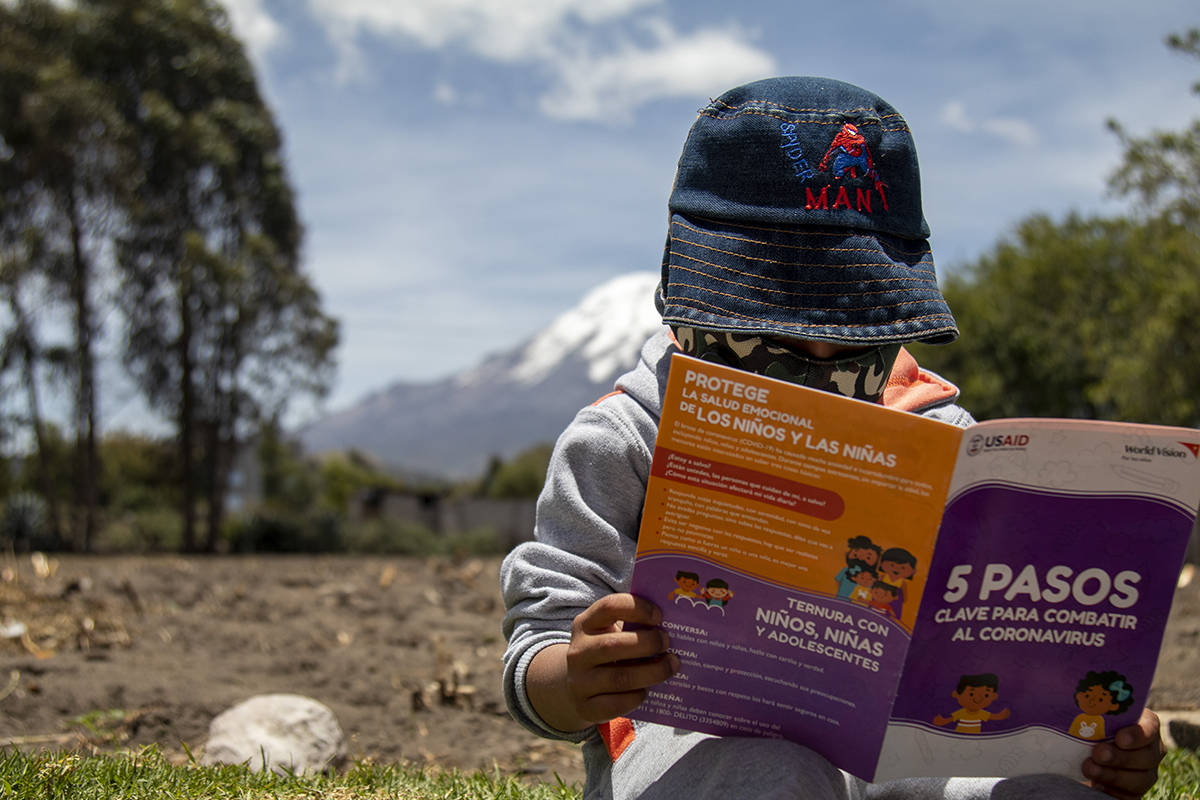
<point x="1098" y="694"/>
<point x="876" y="578"/>
<point x="715" y="594"/>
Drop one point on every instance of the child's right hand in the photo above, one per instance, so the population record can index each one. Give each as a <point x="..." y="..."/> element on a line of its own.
<point x="609" y="668"/>
<point x="605" y="670"/>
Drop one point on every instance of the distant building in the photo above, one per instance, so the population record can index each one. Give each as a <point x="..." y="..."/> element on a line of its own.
<point x="511" y="519"/>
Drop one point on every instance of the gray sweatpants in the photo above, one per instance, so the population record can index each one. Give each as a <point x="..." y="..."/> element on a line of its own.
<point x="671" y="764"/>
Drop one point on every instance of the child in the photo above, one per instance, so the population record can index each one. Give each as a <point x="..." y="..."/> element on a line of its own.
<point x="864" y="578"/>
<point x="898" y="566"/>
<point x="883" y="594"/>
<point x="847" y="579"/>
<point x="777" y="266"/>
<point x="1099" y="693"/>
<point x="974" y="693"/>
<point x="687" y="582"/>
<point x="717" y="593"/>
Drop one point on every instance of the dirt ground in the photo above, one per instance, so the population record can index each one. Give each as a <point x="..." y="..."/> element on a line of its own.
<point x="132" y="650"/>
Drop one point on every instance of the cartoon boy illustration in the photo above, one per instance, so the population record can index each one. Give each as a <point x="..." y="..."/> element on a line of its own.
<point x="883" y="594"/>
<point x="687" y="581"/>
<point x="897" y="566"/>
<point x="717" y="593"/>
<point x="974" y="693"/>
<point x="1099" y="693"/>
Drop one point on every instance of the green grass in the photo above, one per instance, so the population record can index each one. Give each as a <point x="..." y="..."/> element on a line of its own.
<point x="1178" y="777"/>
<point x="146" y="774"/>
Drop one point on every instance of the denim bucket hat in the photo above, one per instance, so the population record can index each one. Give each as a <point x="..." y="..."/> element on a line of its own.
<point x="796" y="211"/>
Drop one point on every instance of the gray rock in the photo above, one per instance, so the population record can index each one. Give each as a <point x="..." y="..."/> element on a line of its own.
<point x="285" y="732"/>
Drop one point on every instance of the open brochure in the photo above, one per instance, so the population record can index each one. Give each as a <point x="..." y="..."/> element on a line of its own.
<point x="905" y="597"/>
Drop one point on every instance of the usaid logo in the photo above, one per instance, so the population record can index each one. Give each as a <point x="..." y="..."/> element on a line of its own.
<point x="980" y="443"/>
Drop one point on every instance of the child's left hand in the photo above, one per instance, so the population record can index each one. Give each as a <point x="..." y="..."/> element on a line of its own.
<point x="1128" y="766"/>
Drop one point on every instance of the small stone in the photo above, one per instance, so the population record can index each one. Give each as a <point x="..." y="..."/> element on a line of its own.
<point x="283" y="732"/>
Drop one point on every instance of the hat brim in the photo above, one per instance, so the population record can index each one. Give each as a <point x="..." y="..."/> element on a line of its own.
<point x="828" y="284"/>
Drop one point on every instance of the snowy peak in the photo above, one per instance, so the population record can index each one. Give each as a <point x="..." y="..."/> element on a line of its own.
<point x="607" y="328"/>
<point x="509" y="402"/>
<point x="605" y="332"/>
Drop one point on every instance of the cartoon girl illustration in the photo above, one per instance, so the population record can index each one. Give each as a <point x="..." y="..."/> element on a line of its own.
<point x="863" y="578"/>
<point x="848" y="581"/>
<point x="1099" y="693"/>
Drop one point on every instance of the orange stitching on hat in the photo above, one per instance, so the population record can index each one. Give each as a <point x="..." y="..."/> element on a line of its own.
<point x="844" y="232"/>
<point x="696" y="306"/>
<point x="917" y="273"/>
<point x="930" y="271"/>
<point x="866" y="109"/>
<point x="682" y="268"/>
<point x="761" y="113"/>
<point x="905" y="290"/>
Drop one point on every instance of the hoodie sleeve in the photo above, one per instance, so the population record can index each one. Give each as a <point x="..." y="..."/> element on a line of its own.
<point x="586" y="537"/>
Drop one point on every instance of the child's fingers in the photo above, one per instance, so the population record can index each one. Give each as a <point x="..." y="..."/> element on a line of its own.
<point x="606" y="612"/>
<point x="1128" y="766"/>
<point x="611" y="690"/>
<point x="610" y="647"/>
<point x="1147" y="731"/>
<point x="1136" y="747"/>
<point x="1126" y="784"/>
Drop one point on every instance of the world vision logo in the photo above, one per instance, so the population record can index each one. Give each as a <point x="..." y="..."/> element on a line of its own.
<point x="1164" y="451"/>
<point x="849" y="168"/>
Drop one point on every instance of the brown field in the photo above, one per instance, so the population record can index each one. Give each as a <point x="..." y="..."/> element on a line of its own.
<point x="123" y="651"/>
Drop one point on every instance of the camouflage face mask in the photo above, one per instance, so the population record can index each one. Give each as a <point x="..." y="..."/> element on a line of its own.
<point x="863" y="375"/>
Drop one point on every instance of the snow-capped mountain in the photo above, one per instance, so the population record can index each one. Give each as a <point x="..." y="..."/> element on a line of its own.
<point x="509" y="402"/>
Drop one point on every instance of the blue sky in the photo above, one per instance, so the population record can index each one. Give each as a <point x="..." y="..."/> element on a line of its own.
<point x="468" y="169"/>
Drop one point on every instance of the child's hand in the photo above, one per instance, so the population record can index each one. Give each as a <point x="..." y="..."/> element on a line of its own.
<point x="608" y="668"/>
<point x="1128" y="766"/>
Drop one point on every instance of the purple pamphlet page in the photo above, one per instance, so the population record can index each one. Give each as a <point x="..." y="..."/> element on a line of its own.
<point x="1048" y="595"/>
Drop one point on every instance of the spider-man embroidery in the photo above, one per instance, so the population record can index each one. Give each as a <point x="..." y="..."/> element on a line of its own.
<point x="849" y="151"/>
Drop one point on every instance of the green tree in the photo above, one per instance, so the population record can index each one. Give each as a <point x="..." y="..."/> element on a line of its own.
<point x="521" y="477"/>
<point x="223" y="326"/>
<point x="23" y="352"/>
<point x="64" y="179"/>
<point x="1162" y="170"/>
<point x="1085" y="318"/>
<point x="1092" y="318"/>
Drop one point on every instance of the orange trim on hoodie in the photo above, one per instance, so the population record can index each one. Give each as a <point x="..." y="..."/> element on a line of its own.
<point x="910" y="388"/>
<point x="617" y="734"/>
<point x="610" y="394"/>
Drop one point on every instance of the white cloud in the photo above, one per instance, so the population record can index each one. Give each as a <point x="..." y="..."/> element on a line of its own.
<point x="612" y="85"/>
<point x="257" y="29"/>
<point x="1015" y="131"/>
<point x="496" y="29"/>
<point x="585" y="45"/>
